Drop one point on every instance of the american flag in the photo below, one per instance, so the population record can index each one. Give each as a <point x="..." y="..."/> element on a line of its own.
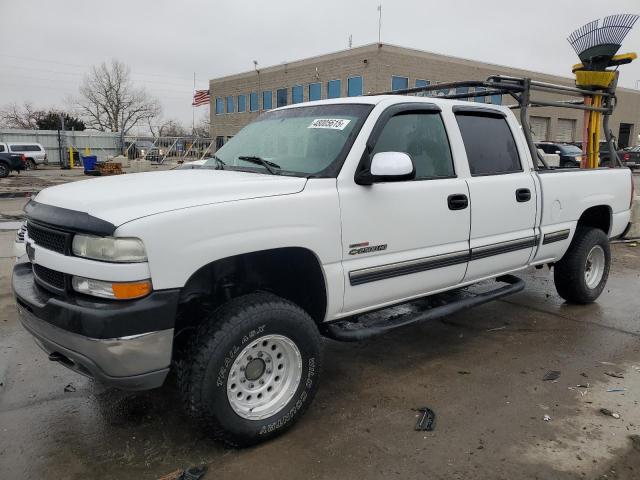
<point x="200" y="97"/>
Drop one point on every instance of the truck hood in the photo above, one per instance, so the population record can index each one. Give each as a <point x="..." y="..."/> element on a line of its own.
<point x="122" y="198"/>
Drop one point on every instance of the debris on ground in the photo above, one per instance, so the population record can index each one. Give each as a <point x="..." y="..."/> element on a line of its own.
<point x="496" y="329"/>
<point x="584" y="375"/>
<point x="464" y="372"/>
<point x="635" y="439"/>
<point x="193" y="473"/>
<point x="426" y="419"/>
<point x="546" y="418"/>
<point x="609" y="413"/>
<point x="614" y="374"/>
<point x="616" y="389"/>
<point x="551" y="375"/>
<point x="69" y="388"/>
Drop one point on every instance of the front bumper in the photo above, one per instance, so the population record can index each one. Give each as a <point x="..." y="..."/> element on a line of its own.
<point x="134" y="361"/>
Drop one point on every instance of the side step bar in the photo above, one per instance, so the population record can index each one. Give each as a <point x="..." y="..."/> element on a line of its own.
<point x="353" y="331"/>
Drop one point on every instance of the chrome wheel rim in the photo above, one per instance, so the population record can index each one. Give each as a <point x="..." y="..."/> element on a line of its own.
<point x="594" y="268"/>
<point x="264" y="377"/>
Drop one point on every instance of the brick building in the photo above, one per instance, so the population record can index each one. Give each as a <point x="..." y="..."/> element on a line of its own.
<point x="238" y="99"/>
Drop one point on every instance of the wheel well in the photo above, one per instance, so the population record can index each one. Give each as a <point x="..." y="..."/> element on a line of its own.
<point x="596" y="217"/>
<point x="293" y="273"/>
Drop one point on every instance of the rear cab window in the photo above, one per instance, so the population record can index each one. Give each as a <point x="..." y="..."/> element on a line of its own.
<point x="488" y="140"/>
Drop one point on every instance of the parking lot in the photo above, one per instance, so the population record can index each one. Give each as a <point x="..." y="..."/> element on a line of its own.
<point x="481" y="371"/>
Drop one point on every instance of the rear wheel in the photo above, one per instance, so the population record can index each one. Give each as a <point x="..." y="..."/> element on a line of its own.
<point x="252" y="369"/>
<point x="582" y="273"/>
<point x="31" y="164"/>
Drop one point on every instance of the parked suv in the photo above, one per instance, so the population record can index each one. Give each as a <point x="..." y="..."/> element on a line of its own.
<point x="570" y="155"/>
<point x="34" y="153"/>
<point x="310" y="217"/>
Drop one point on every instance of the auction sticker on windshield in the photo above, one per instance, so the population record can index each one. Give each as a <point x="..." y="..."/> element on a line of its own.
<point x="331" y="123"/>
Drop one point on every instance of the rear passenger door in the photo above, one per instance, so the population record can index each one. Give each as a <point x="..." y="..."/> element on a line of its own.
<point x="502" y="194"/>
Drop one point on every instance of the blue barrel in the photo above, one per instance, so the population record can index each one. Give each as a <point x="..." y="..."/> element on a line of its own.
<point x="89" y="162"/>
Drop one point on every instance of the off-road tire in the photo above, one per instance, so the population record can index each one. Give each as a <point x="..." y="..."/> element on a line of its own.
<point x="31" y="164"/>
<point x="219" y="339"/>
<point x="4" y="170"/>
<point x="569" y="272"/>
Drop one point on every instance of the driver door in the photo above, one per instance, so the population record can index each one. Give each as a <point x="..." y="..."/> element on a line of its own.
<point x="408" y="238"/>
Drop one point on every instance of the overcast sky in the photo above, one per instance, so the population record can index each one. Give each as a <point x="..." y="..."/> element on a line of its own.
<point x="47" y="46"/>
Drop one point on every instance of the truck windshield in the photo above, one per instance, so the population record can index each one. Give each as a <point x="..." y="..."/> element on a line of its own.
<point x="302" y="141"/>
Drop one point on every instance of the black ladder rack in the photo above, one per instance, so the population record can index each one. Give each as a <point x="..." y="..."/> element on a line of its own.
<point x="520" y="90"/>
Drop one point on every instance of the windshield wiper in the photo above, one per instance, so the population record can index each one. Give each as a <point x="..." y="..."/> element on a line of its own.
<point x="269" y="166"/>
<point x="219" y="163"/>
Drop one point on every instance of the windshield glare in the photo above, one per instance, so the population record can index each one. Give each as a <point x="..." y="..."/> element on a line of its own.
<point x="302" y="141"/>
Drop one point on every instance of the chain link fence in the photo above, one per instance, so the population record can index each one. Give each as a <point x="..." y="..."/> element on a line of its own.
<point x="60" y="145"/>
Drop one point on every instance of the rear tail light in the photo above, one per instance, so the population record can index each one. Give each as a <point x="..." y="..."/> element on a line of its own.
<point x="23" y="159"/>
<point x="626" y="156"/>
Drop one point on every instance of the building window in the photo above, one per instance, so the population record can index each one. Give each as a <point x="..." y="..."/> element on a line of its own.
<point x="219" y="142"/>
<point x="315" y="91"/>
<point x="354" y="86"/>
<point x="334" y="88"/>
<point x="422" y="83"/>
<point x="219" y="105"/>
<point x="253" y="102"/>
<point x="267" y="100"/>
<point x="229" y="104"/>
<point x="399" y="83"/>
<point x="297" y="94"/>
<point x="462" y="90"/>
<point x="242" y="103"/>
<point x="481" y="99"/>
<point x="496" y="99"/>
<point x="281" y="97"/>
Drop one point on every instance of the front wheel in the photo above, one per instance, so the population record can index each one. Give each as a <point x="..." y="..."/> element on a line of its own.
<point x="581" y="275"/>
<point x="4" y="170"/>
<point x="252" y="369"/>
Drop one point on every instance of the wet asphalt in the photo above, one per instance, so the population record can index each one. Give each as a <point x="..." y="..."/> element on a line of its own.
<point x="480" y="371"/>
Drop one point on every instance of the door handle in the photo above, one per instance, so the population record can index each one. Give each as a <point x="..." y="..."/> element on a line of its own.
<point x="457" y="201"/>
<point x="523" y="195"/>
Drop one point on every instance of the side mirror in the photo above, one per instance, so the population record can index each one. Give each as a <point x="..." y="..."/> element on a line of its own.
<point x="388" y="167"/>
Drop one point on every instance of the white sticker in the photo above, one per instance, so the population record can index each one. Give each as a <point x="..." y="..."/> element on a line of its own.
<point x="331" y="123"/>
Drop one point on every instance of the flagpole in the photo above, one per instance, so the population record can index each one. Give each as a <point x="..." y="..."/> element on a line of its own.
<point x="380" y="23"/>
<point x="193" y="108"/>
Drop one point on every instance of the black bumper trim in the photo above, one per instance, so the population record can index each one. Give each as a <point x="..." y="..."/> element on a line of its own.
<point x="95" y="318"/>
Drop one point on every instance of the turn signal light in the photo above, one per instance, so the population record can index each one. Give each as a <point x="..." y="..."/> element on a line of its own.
<point x="113" y="290"/>
<point x="124" y="291"/>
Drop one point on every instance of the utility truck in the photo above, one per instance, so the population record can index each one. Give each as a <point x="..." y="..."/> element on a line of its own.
<point x="310" y="217"/>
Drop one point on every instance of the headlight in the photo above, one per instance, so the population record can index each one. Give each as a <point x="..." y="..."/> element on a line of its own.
<point x="113" y="290"/>
<point x="109" y="249"/>
<point x="161" y="152"/>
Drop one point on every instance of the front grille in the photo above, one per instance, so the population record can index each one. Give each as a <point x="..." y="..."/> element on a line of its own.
<point x="49" y="278"/>
<point x="48" y="238"/>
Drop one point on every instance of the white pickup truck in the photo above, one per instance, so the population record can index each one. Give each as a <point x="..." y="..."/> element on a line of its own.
<point x="311" y="216"/>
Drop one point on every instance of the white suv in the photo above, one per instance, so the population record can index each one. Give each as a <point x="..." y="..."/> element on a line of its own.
<point x="34" y="152"/>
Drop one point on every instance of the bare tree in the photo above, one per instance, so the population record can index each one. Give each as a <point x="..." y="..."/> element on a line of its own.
<point x="172" y="128"/>
<point x="16" y="116"/>
<point x="110" y="102"/>
<point x="203" y="127"/>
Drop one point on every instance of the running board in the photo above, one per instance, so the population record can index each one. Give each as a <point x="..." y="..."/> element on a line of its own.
<point x="353" y="330"/>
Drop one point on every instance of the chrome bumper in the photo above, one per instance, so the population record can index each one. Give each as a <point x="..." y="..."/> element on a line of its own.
<point x="138" y="362"/>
